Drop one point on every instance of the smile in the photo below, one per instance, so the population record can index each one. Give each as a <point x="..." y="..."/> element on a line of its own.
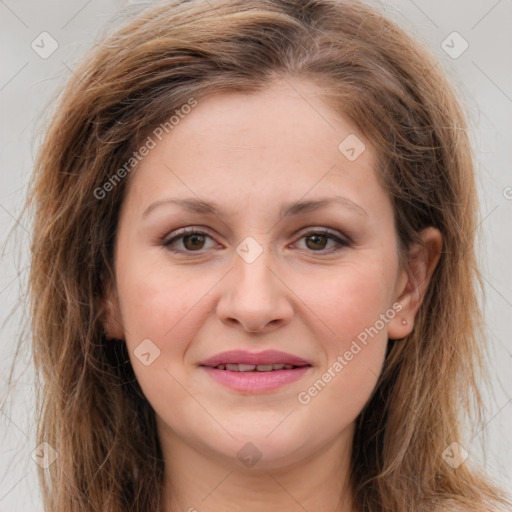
<point x="233" y="367"/>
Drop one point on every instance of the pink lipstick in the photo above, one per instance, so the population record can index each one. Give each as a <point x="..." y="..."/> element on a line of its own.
<point x="255" y="372"/>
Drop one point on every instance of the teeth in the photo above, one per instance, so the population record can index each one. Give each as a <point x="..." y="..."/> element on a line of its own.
<point x="244" y="367"/>
<point x="234" y="367"/>
<point x="264" y="367"/>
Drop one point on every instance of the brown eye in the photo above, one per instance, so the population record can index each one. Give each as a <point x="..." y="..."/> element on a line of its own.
<point x="192" y="241"/>
<point x="316" y="241"/>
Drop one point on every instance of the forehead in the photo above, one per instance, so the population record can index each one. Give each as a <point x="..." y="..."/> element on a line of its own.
<point x="282" y="142"/>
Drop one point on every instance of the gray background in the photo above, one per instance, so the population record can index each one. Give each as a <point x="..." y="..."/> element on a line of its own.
<point x="482" y="76"/>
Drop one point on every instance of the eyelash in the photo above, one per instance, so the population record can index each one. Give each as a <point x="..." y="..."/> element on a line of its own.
<point x="191" y="231"/>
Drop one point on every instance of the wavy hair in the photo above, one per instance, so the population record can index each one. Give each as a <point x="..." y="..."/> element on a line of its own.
<point x="90" y="407"/>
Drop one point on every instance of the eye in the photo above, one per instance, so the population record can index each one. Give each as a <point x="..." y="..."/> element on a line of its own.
<point x="318" y="239"/>
<point x="193" y="241"/>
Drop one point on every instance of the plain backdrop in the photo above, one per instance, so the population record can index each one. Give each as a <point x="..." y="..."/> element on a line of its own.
<point x="478" y="58"/>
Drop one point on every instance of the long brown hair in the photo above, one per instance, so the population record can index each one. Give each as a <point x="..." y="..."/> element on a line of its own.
<point x="91" y="409"/>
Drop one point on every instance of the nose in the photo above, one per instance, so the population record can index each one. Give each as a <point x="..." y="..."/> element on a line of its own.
<point x="254" y="297"/>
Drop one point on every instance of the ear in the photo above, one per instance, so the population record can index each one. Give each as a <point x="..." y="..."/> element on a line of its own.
<point x="111" y="313"/>
<point x="414" y="280"/>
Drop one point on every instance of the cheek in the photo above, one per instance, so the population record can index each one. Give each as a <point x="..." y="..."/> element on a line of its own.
<point x="156" y="298"/>
<point x="159" y="319"/>
<point x="356" y="307"/>
<point x="164" y="310"/>
<point x="351" y="299"/>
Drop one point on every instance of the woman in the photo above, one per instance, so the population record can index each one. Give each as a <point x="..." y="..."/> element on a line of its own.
<point x="262" y="366"/>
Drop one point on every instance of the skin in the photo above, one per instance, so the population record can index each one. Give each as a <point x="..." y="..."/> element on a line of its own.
<point x="251" y="154"/>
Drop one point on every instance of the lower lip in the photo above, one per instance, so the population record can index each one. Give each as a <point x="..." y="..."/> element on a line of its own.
<point x="255" y="382"/>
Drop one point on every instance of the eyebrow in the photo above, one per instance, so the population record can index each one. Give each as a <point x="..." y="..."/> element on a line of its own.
<point x="289" y="209"/>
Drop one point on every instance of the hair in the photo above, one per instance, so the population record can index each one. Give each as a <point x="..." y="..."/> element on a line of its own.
<point x="90" y="407"/>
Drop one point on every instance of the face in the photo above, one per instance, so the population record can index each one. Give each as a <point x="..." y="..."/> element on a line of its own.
<point x="320" y="284"/>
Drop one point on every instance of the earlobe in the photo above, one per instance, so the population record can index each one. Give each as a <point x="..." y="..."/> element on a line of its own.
<point x="414" y="281"/>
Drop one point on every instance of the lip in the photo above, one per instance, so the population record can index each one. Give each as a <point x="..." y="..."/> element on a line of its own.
<point x="245" y="357"/>
<point x="255" y="381"/>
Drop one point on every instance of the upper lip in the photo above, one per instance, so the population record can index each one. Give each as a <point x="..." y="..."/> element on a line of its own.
<point x="256" y="358"/>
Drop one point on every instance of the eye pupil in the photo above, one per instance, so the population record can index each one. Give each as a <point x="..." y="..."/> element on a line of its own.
<point x="316" y="237"/>
<point x="193" y="236"/>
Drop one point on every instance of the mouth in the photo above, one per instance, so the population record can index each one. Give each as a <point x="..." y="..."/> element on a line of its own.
<point x="260" y="372"/>
<point x="244" y="361"/>
<point x="234" y="367"/>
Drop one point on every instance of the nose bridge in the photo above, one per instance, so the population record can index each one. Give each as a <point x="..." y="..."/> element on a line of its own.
<point x="256" y="252"/>
<point x="253" y="295"/>
<point x="253" y="274"/>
